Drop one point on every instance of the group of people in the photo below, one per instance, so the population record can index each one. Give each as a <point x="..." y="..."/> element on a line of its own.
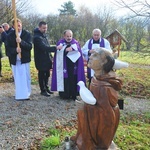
<point x="67" y="64"/>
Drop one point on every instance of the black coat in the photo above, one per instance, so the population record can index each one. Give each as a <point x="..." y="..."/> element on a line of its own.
<point x="25" y="45"/>
<point x="1" y="49"/>
<point x="42" y="49"/>
<point x="4" y="38"/>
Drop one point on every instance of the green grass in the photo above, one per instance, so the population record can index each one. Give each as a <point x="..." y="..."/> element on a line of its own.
<point x="133" y="137"/>
<point x="136" y="81"/>
<point x="133" y="132"/>
<point x="56" y="136"/>
<point x="135" y="57"/>
<point x="50" y="142"/>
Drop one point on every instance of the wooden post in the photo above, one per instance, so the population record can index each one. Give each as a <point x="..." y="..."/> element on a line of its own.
<point x="15" y="22"/>
<point x="119" y="44"/>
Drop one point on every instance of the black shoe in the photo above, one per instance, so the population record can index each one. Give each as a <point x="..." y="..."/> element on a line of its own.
<point x="23" y="99"/>
<point x="45" y="94"/>
<point x="49" y="92"/>
<point x="74" y="98"/>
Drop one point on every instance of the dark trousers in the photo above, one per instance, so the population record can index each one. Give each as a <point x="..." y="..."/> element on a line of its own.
<point x="70" y="83"/>
<point x="9" y="61"/>
<point x="43" y="77"/>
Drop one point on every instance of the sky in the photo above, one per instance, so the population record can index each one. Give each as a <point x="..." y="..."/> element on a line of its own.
<point x="46" y="7"/>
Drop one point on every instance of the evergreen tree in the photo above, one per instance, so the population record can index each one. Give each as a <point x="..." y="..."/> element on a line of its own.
<point x="67" y="9"/>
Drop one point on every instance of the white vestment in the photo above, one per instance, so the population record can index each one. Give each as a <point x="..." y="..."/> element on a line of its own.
<point x="85" y="48"/>
<point x="59" y="69"/>
<point x="22" y="80"/>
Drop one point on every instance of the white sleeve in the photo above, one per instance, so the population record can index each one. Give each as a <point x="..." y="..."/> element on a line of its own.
<point x="85" y="50"/>
<point x="107" y="45"/>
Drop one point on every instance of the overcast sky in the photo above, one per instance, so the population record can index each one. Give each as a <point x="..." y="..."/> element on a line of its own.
<point x="51" y="6"/>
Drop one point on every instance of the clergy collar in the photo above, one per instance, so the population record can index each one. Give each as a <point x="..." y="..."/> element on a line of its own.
<point x="96" y="42"/>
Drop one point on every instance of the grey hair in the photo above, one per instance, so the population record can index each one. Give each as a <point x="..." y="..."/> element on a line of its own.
<point x="5" y="24"/>
<point x="96" y="30"/>
<point x="68" y="30"/>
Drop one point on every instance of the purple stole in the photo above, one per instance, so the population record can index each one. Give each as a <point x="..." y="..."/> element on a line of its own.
<point x="78" y="67"/>
<point x="101" y="44"/>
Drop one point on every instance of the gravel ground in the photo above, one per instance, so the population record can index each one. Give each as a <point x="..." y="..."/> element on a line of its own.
<point x="21" y="122"/>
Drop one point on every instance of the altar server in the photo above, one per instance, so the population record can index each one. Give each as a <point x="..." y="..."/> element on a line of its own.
<point x="20" y="58"/>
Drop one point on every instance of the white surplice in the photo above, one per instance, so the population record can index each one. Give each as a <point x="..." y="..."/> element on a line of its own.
<point x="72" y="55"/>
<point x="59" y="69"/>
<point x="22" y="80"/>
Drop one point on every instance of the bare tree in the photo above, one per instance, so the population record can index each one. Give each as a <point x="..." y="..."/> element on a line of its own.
<point x="6" y="14"/>
<point x="86" y="23"/>
<point x="6" y="11"/>
<point x="138" y="7"/>
<point x="106" y="20"/>
<point x="31" y="21"/>
<point x="138" y="26"/>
